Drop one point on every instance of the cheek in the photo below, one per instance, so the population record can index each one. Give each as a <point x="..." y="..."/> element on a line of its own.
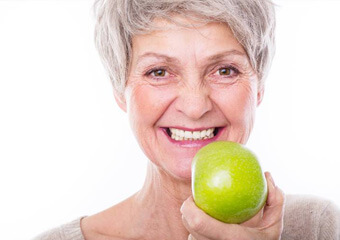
<point x="238" y="103"/>
<point x="146" y="105"/>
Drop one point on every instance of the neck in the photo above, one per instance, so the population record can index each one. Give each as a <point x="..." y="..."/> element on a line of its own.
<point x="160" y="201"/>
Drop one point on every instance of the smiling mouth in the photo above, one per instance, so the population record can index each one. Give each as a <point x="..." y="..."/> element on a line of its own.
<point x="182" y="135"/>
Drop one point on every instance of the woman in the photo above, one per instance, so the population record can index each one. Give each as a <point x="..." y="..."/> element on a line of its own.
<point x="189" y="73"/>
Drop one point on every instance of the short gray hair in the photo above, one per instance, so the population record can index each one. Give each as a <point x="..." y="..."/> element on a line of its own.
<point x="251" y="21"/>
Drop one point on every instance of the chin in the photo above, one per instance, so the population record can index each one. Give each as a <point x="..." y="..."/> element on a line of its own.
<point x="180" y="171"/>
<point x="184" y="175"/>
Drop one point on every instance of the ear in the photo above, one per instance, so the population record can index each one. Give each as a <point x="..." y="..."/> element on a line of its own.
<point x="120" y="100"/>
<point x="260" y="94"/>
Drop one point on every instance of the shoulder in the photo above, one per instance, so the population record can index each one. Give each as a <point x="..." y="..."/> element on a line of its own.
<point x="310" y="217"/>
<point x="66" y="231"/>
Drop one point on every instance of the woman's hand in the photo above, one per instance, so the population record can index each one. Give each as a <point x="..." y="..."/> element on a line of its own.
<point x="266" y="225"/>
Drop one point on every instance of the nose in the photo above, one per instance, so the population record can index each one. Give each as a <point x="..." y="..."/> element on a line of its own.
<point x="194" y="102"/>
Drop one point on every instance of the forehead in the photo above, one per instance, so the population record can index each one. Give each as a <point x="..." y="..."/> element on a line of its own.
<point x="187" y="39"/>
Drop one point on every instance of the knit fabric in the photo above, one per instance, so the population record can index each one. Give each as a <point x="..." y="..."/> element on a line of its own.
<point x="310" y="218"/>
<point x="68" y="231"/>
<point x="305" y="218"/>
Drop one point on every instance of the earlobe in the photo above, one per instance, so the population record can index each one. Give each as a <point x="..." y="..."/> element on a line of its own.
<point x="120" y="100"/>
<point x="260" y="94"/>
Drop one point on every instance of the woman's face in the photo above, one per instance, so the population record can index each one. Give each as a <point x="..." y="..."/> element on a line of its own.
<point x="186" y="88"/>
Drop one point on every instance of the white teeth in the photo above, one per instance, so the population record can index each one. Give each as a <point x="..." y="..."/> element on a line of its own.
<point x="196" y="135"/>
<point x="203" y="133"/>
<point x="177" y="132"/>
<point x="179" y="135"/>
<point x="188" y="134"/>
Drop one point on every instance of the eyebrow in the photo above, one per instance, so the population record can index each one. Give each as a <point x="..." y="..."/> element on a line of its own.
<point x="170" y="59"/>
<point x="158" y="55"/>
<point x="226" y="54"/>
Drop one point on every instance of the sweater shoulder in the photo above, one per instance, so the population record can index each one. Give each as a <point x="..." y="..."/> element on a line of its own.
<point x="66" y="231"/>
<point x="310" y="217"/>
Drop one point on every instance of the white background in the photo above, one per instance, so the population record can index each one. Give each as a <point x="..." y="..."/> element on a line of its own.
<point x="66" y="150"/>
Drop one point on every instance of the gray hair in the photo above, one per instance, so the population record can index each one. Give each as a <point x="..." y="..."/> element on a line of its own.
<point x="251" y="21"/>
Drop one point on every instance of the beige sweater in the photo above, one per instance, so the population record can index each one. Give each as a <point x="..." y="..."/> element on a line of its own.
<point x="305" y="218"/>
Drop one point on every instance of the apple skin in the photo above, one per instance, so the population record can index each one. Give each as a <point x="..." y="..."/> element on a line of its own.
<point x="227" y="182"/>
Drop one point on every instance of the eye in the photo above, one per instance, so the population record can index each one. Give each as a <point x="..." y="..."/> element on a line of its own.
<point x="227" y="71"/>
<point x="158" y="73"/>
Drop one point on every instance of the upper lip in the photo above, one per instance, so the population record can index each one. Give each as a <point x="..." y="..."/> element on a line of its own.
<point x="192" y="129"/>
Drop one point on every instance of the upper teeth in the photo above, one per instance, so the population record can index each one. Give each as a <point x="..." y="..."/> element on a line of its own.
<point x="179" y="134"/>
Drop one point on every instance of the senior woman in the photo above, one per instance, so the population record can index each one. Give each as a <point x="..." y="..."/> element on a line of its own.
<point x="190" y="72"/>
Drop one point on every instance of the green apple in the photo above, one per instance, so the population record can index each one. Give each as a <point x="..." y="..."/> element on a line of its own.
<point x="227" y="182"/>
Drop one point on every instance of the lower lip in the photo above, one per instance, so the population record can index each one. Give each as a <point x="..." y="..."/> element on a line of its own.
<point x="194" y="143"/>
